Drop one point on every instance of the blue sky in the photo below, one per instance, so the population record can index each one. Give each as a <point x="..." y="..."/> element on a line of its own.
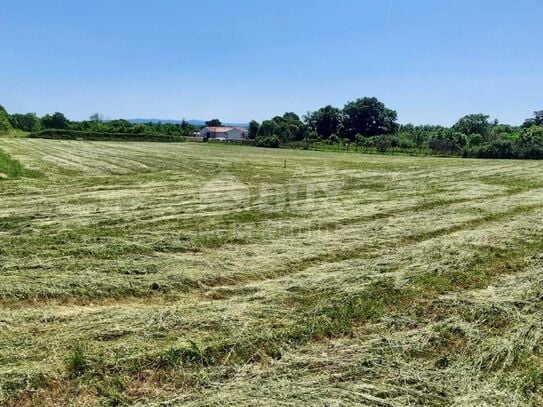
<point x="432" y="61"/>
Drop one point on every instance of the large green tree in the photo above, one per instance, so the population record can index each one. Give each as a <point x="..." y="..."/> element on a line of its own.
<point x="368" y="117"/>
<point x="55" y="121"/>
<point x="286" y="128"/>
<point x="25" y="122"/>
<point x="537" y="120"/>
<point x="325" y="121"/>
<point x="254" y="126"/>
<point x="187" y="129"/>
<point x="214" y="123"/>
<point x="474" y="124"/>
<point x="530" y="143"/>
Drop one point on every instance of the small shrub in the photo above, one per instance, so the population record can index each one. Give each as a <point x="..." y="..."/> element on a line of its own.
<point x="77" y="362"/>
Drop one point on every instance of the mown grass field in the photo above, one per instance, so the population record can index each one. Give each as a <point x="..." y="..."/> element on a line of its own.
<point x="196" y="274"/>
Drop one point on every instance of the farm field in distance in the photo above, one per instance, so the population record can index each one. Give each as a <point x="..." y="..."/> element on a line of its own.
<point x="209" y="274"/>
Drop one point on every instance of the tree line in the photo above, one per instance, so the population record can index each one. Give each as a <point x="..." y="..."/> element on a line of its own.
<point x="30" y="122"/>
<point x="366" y="124"/>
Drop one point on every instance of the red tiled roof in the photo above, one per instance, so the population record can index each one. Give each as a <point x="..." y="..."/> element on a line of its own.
<point x="224" y="129"/>
<point x="219" y="129"/>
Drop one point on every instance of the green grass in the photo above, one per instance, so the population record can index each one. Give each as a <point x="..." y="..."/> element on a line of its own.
<point x="10" y="168"/>
<point x="208" y="274"/>
<point x="15" y="133"/>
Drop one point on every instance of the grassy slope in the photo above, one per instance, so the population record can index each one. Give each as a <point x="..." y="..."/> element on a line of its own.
<point x="11" y="168"/>
<point x="344" y="278"/>
<point x="14" y="133"/>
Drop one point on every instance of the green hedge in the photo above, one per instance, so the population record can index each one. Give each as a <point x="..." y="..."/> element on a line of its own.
<point x="91" y="135"/>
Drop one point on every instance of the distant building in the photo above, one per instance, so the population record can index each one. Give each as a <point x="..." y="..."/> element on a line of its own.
<point x="224" y="133"/>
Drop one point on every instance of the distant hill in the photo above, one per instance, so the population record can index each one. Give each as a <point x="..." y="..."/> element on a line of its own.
<point x="193" y="122"/>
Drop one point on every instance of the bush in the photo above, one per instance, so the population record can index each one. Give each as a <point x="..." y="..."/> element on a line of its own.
<point x="495" y="149"/>
<point x="405" y="141"/>
<point x="365" y="142"/>
<point x="475" y="140"/>
<point x="91" y="135"/>
<point x="440" y="146"/>
<point x="267" y="141"/>
<point x="311" y="136"/>
<point x="384" y="143"/>
<point x="334" y="139"/>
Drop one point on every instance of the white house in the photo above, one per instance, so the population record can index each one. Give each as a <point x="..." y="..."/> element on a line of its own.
<point x="224" y="133"/>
